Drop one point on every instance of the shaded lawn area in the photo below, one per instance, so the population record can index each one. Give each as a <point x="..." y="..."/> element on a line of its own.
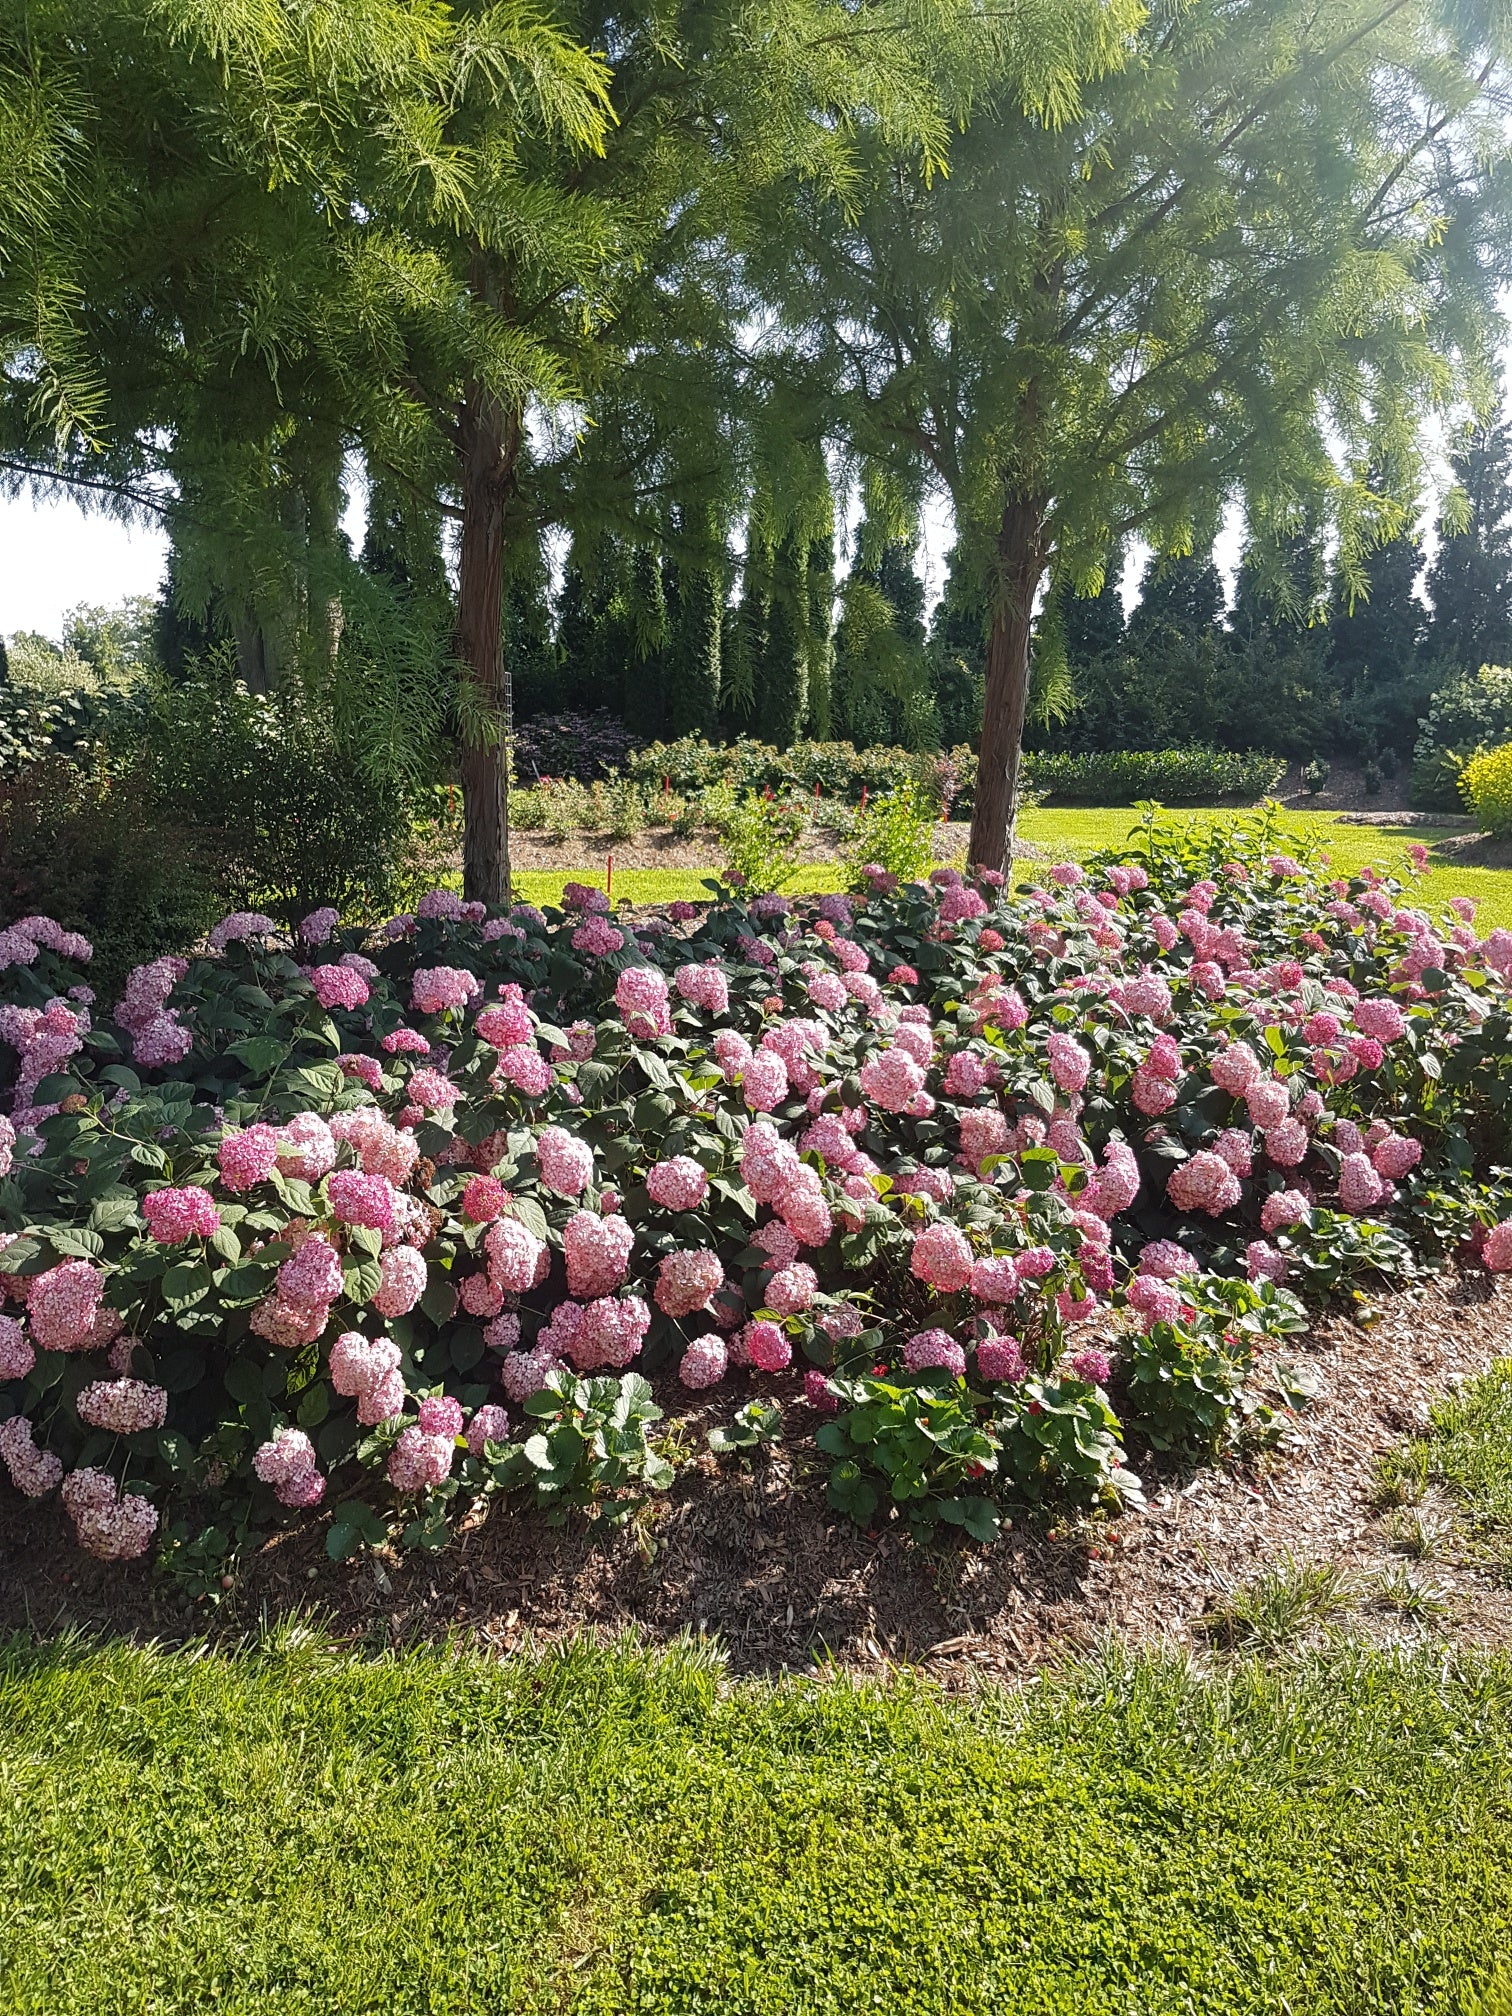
<point x="1078" y="832"/>
<point x="302" y="1830"/>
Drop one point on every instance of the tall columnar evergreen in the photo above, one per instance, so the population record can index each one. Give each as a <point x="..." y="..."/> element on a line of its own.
<point x="1470" y="581"/>
<point x="697" y="628"/>
<point x="820" y="634"/>
<point x="782" y="685"/>
<point x="1374" y="635"/>
<point x="743" y="657"/>
<point x="644" y="671"/>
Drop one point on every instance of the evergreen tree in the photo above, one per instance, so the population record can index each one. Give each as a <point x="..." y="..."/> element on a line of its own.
<point x="782" y="688"/>
<point x="693" y="657"/>
<point x="821" y="635"/>
<point x="745" y="648"/>
<point x="644" y="686"/>
<point x="1470" y="582"/>
<point x="1374" y="635"/>
<point x="1094" y="624"/>
<point x="1178" y="597"/>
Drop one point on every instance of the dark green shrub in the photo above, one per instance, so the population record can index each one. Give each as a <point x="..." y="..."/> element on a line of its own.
<point x="98" y="855"/>
<point x="297" y="817"/>
<point x="1464" y="718"/>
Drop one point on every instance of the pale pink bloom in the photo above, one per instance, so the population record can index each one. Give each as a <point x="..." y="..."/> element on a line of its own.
<point x="176" y="1215"/>
<point x="598" y="1254"/>
<point x="1282" y="1209"/>
<point x="403" y="1281"/>
<point x="566" y="1162"/>
<point x="942" y="1256"/>
<point x="1360" y="1187"/>
<point x="686" y="1280"/>
<point x="1286" y="1144"/>
<point x="123" y="1406"/>
<point x="791" y="1289"/>
<point x="704" y="1363"/>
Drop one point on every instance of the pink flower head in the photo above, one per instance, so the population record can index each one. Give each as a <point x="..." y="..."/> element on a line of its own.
<point x="110" y="1526"/>
<point x="1070" y="1064"/>
<point x="1205" y="1183"/>
<point x="678" y="1184"/>
<point x="687" y="1280"/>
<point x="1286" y="1144"/>
<point x="504" y="1023"/>
<point x="312" y="1276"/>
<point x="436" y="989"/>
<point x="1381" y="1019"/>
<point x="1496" y="1249"/>
<point x="598" y="1254"/>
<point x="483" y="1199"/>
<point x="489" y="1424"/>
<point x="123" y="1406"/>
<point x="339" y="987"/>
<point x="764" y="1082"/>
<point x="1264" y="1263"/>
<point x="1166" y="1261"/>
<point x="934" y="1351"/>
<point x="1092" y="1367"/>
<point x="891" y="1079"/>
<point x="704" y="1363"/>
<point x="1396" y="1156"/>
<point x="1155" y="1300"/>
<point x="765" y="1346"/>
<point x="403" y="1273"/>
<point x="1268" y="1102"/>
<point x="995" y="1279"/>
<point x="703" y="987"/>
<point x="942" y="1256"/>
<point x="306" y="1148"/>
<point x="640" y="994"/>
<point x="360" y="1199"/>
<point x="566" y="1162"/>
<point x="1360" y="1187"/>
<point x="1236" y="1068"/>
<point x="176" y="1215"/>
<point x="1282" y="1209"/>
<point x="418" y="1461"/>
<point x="792" y="1288"/>
<point x="767" y="1162"/>
<point x="517" y="1260"/>
<point x="63" y="1304"/>
<point x="241" y="924"/>
<point x="33" y="1471"/>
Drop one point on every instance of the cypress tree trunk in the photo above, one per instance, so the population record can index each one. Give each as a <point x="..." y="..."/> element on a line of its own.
<point x="489" y="443"/>
<point x="1020" y="564"/>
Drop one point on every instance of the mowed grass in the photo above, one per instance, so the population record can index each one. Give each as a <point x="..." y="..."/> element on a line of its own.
<point x="1078" y="832"/>
<point x="298" y="1830"/>
<point x="1467" y="1453"/>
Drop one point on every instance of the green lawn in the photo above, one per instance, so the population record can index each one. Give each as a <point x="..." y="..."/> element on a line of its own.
<point x="302" y="1831"/>
<point x="1467" y="1453"/>
<point x="1080" y="832"/>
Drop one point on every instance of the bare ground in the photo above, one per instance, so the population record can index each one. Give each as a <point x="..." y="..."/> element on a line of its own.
<point x="749" y="1552"/>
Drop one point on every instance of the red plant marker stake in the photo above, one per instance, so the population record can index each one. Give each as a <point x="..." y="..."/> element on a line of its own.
<point x="609" y="877"/>
<point x="816" y="787"/>
<point x="863" y="797"/>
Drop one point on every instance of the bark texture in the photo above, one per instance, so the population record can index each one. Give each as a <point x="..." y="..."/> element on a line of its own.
<point x="1020" y="565"/>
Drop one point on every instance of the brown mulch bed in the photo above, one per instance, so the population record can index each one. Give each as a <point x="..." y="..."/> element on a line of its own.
<point x="662" y="848"/>
<point x="749" y="1552"/>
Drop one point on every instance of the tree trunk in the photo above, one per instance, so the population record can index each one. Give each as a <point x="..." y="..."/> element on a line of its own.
<point x="488" y="438"/>
<point x="1020" y="564"/>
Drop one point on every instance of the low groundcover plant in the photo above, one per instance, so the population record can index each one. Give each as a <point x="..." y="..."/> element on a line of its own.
<point x="995" y="1187"/>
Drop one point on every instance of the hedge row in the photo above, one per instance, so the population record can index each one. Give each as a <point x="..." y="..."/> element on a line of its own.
<point x="1194" y="776"/>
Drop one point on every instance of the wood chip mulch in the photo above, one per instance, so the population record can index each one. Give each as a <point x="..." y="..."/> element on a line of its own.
<point x="748" y="1551"/>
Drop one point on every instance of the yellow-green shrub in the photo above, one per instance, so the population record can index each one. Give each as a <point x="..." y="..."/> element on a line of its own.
<point x="1486" y="782"/>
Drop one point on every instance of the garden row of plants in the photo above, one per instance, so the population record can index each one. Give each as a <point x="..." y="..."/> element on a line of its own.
<point x="993" y="1194"/>
<point x="838" y="772"/>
